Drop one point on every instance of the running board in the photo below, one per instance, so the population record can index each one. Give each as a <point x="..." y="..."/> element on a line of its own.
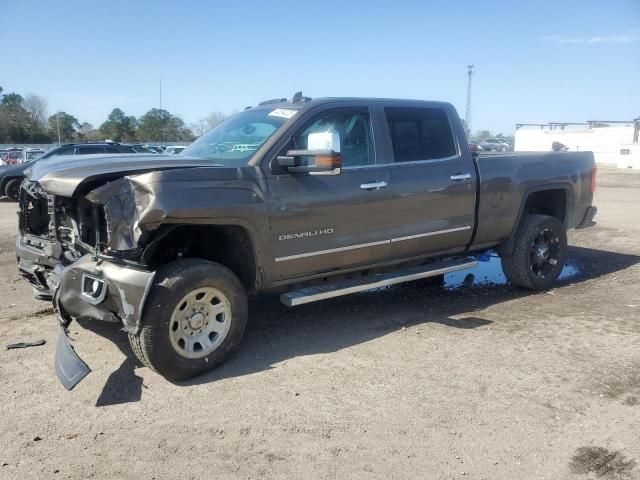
<point x="322" y="292"/>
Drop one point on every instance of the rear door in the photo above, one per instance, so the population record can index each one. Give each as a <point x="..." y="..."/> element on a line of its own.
<point x="433" y="180"/>
<point x="322" y="223"/>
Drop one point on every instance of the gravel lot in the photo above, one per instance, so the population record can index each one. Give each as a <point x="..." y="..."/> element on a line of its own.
<point x="479" y="380"/>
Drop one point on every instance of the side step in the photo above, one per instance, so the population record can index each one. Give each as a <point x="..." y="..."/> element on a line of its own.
<point x="322" y="292"/>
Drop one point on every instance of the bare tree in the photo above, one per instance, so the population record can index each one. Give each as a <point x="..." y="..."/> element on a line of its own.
<point x="199" y="128"/>
<point x="205" y="124"/>
<point x="36" y="107"/>
<point x="214" y="118"/>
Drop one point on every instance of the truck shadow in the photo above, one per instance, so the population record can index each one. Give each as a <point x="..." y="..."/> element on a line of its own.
<point x="276" y="333"/>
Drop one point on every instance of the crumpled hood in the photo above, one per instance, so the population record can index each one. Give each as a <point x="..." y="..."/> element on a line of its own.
<point x="62" y="175"/>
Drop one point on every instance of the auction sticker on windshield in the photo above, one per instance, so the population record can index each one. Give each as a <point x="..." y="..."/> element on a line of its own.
<point x="283" y="112"/>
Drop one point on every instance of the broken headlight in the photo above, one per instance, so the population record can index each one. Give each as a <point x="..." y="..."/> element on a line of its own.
<point x="118" y="200"/>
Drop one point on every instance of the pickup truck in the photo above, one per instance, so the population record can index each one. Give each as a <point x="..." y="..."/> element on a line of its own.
<point x="311" y="198"/>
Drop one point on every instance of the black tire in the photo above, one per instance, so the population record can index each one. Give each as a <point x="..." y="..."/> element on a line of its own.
<point x="12" y="189"/>
<point x="530" y="270"/>
<point x="153" y="346"/>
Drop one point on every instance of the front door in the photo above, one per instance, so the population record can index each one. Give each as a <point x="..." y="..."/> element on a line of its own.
<point x="324" y="223"/>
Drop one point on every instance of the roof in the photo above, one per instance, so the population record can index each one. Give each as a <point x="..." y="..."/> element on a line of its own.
<point x="309" y="103"/>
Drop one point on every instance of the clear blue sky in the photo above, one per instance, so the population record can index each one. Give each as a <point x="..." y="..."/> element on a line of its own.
<point x="536" y="61"/>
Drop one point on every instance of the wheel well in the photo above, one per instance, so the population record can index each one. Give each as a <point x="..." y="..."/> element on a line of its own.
<point x="229" y="245"/>
<point x="551" y="202"/>
<point x="547" y="202"/>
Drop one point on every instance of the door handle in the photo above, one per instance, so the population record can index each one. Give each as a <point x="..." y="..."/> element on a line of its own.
<point x="373" y="185"/>
<point x="458" y="177"/>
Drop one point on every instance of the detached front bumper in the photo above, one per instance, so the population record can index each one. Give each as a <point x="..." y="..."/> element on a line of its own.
<point x="87" y="288"/>
<point x="101" y="290"/>
<point x="37" y="258"/>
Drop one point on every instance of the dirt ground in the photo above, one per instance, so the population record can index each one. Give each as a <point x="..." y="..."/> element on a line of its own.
<point x="479" y="380"/>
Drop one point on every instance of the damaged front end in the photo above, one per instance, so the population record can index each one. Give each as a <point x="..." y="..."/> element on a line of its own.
<point x="81" y="252"/>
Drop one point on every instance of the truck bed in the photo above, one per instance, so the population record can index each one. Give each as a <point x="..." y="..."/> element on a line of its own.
<point x="507" y="179"/>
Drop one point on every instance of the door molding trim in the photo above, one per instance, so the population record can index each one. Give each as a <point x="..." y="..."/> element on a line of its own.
<point x="429" y="234"/>
<point x="371" y="244"/>
<point x="331" y="250"/>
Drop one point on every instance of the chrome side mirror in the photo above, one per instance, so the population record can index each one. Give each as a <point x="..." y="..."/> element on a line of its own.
<point x="322" y="156"/>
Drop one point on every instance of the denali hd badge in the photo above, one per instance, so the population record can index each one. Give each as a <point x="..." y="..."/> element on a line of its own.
<point x="313" y="233"/>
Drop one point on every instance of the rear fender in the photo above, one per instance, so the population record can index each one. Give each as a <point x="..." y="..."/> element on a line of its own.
<point x="507" y="246"/>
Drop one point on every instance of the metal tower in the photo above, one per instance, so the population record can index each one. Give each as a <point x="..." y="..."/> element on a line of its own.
<point x="467" y="117"/>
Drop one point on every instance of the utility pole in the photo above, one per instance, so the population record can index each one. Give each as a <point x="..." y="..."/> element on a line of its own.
<point x="161" y="127"/>
<point x="58" y="123"/>
<point x="467" y="117"/>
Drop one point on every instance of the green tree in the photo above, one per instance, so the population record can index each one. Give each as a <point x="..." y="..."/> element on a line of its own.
<point x="160" y="125"/>
<point x="13" y="119"/>
<point x="67" y="125"/>
<point x="467" y="130"/>
<point x="119" y="127"/>
<point x="483" y="135"/>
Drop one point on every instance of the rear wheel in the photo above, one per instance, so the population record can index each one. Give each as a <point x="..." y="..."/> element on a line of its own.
<point x="539" y="253"/>
<point x="194" y="318"/>
<point x="12" y="189"/>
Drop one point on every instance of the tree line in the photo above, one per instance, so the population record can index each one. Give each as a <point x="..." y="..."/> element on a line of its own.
<point x="26" y="120"/>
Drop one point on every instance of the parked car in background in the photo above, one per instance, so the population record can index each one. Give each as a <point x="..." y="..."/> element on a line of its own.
<point x="31" y="154"/>
<point x="13" y="156"/>
<point x="474" y="148"/>
<point x="494" y="145"/>
<point x="155" y="148"/>
<point x="174" y="149"/>
<point x="11" y="176"/>
<point x="142" y="148"/>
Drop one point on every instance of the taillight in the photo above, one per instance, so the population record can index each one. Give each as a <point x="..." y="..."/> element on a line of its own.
<point x="594" y="170"/>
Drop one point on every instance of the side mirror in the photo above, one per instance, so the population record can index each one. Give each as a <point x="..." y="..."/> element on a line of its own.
<point x="322" y="156"/>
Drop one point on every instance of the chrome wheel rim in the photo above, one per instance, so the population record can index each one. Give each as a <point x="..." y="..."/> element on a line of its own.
<point x="545" y="253"/>
<point x="200" y="322"/>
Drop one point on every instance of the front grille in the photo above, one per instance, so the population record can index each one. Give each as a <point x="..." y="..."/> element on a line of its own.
<point x="75" y="224"/>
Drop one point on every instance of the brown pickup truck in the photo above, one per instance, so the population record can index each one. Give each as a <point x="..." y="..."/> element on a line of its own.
<point x="311" y="198"/>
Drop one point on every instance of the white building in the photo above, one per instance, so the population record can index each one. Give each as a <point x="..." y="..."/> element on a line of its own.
<point x="610" y="141"/>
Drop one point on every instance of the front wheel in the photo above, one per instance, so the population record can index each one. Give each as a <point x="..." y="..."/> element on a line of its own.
<point x="539" y="253"/>
<point x="12" y="189"/>
<point x="194" y="318"/>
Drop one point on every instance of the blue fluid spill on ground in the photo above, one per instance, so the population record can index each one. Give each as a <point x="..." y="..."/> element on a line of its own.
<point x="490" y="273"/>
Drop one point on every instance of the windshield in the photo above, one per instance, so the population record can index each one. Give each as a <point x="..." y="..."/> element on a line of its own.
<point x="33" y="155"/>
<point x="234" y="141"/>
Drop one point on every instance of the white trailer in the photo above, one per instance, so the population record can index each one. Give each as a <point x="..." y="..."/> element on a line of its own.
<point x="614" y="142"/>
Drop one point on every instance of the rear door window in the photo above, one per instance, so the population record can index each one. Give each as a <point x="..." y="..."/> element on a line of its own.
<point x="64" y="151"/>
<point x="420" y="134"/>
<point x="89" y="149"/>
